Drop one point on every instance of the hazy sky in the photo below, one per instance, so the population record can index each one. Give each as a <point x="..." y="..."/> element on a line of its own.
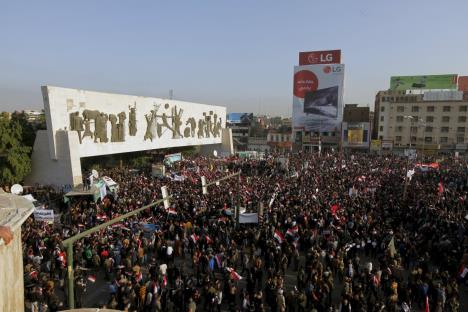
<point x="238" y="54"/>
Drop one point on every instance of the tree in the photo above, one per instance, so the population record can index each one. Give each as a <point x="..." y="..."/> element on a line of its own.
<point x="15" y="159"/>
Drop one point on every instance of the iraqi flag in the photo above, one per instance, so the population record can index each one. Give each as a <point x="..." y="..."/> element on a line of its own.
<point x="279" y="236"/>
<point x="234" y="275"/>
<point x="92" y="278"/>
<point x="164" y="281"/>
<point x="33" y="274"/>
<point x="427" y="305"/>
<point x="462" y="271"/>
<point x="292" y="231"/>
<point x="101" y="217"/>
<point x="194" y="238"/>
<point x="209" y="241"/>
<point x="296" y="243"/>
<point x="441" y="188"/>
<point x="334" y="209"/>
<point x="219" y="260"/>
<point x="171" y="211"/>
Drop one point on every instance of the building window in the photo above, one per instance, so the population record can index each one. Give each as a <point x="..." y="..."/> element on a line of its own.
<point x="400" y="109"/>
<point x="430" y="108"/>
<point x="415" y="109"/>
<point x="428" y="139"/>
<point x="399" y="118"/>
<point x="461" y="118"/>
<point x="413" y="139"/>
<point x="463" y="108"/>
<point x="398" y="138"/>
<point x="430" y="119"/>
<point x="364" y="136"/>
<point x="399" y="129"/>
<point x="428" y="129"/>
<point x="414" y="129"/>
<point x="461" y="129"/>
<point x="445" y="118"/>
<point x="446" y="109"/>
<point x="381" y="118"/>
<point x="443" y="139"/>
<point x="444" y="129"/>
<point x="460" y="139"/>
<point x="381" y="128"/>
<point x="382" y="109"/>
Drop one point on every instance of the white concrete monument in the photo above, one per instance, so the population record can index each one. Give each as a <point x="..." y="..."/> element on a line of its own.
<point x="86" y="123"/>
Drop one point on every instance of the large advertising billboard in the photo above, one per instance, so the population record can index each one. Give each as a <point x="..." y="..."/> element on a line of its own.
<point x="463" y="83"/>
<point x="320" y="57"/>
<point x="423" y="82"/>
<point x="318" y="97"/>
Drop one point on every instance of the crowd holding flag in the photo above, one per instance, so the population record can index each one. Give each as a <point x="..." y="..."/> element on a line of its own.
<point x="279" y="236"/>
<point x="293" y="231"/>
<point x="234" y="275"/>
<point x="194" y="238"/>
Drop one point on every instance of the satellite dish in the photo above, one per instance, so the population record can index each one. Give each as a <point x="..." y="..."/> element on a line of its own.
<point x="94" y="173"/>
<point x="16" y="189"/>
<point x="215" y="153"/>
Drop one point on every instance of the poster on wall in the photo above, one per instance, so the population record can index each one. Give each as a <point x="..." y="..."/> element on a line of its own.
<point x="318" y="97"/>
<point x="355" y="136"/>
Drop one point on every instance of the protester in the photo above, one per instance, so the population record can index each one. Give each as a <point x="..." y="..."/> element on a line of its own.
<point x="354" y="237"/>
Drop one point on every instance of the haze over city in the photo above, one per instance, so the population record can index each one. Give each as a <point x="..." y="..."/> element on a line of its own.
<point x="236" y="54"/>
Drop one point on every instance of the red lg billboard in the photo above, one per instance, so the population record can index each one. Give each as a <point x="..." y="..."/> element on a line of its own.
<point x="320" y="57"/>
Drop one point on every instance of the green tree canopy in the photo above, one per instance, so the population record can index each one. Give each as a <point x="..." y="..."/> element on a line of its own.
<point x="15" y="160"/>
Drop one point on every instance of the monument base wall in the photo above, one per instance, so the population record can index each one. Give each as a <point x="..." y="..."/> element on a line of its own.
<point x="65" y="170"/>
<point x="225" y="148"/>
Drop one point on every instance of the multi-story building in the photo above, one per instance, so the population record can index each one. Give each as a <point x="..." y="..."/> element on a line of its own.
<point x="240" y="124"/>
<point x="34" y="116"/>
<point x="259" y="144"/>
<point x="430" y="121"/>
<point x="280" y="140"/>
<point x="356" y="128"/>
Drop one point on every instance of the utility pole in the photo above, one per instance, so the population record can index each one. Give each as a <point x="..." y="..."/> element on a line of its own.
<point x="408" y="157"/>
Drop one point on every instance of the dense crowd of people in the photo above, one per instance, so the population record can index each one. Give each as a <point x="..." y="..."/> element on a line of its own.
<point x="335" y="233"/>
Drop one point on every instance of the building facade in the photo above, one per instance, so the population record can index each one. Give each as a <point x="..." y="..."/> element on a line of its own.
<point x="280" y="140"/>
<point x="430" y="121"/>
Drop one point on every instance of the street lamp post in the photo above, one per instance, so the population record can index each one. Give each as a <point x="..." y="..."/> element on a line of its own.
<point x="424" y="137"/>
<point x="408" y="156"/>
